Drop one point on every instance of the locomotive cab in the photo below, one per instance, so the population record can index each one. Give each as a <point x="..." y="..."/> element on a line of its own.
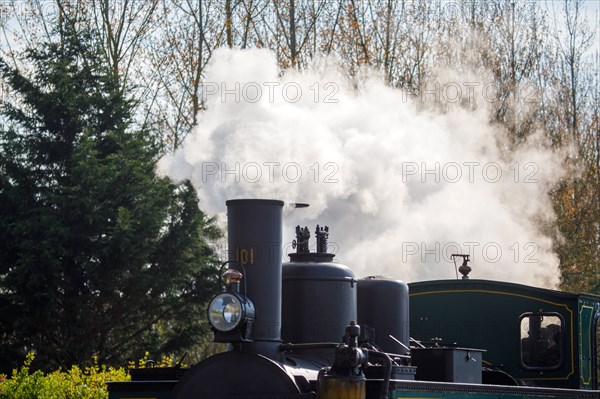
<point x="540" y="337"/>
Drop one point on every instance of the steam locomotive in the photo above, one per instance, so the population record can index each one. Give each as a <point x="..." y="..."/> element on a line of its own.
<point x="310" y="329"/>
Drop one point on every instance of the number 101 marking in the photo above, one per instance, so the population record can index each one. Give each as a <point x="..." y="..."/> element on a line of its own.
<point x="245" y="256"/>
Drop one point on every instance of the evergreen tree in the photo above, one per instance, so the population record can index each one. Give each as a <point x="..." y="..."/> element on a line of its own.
<point x="98" y="255"/>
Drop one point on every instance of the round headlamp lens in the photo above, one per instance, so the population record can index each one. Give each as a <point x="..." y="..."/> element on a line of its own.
<point x="225" y="312"/>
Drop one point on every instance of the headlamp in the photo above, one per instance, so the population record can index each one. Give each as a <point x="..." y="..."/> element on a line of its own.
<point x="225" y="312"/>
<point x="231" y="314"/>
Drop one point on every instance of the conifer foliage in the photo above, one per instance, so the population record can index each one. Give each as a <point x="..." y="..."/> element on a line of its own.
<point x="99" y="257"/>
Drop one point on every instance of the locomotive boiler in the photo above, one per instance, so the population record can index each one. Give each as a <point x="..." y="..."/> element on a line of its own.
<point x="308" y="328"/>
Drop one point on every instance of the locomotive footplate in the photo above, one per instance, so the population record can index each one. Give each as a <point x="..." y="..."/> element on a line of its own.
<point x="272" y="396"/>
<point x="429" y="389"/>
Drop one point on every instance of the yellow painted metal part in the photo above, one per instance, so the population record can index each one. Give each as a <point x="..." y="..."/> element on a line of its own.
<point x="331" y="387"/>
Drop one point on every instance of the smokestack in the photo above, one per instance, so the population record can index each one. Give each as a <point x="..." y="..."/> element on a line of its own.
<point x="254" y="237"/>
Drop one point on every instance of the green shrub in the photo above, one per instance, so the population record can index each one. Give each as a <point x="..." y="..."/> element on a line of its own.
<point x="76" y="383"/>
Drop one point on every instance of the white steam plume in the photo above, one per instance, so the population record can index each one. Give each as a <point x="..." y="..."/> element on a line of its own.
<point x="400" y="187"/>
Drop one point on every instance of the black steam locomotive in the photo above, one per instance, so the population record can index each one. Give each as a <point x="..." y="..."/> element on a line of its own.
<point x="309" y="329"/>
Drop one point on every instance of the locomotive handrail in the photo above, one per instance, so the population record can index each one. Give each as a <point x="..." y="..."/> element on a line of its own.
<point x="288" y="347"/>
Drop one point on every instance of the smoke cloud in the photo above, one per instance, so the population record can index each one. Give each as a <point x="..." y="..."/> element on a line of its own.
<point x="401" y="185"/>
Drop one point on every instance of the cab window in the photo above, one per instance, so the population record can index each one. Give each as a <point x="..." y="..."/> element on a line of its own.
<point x="542" y="341"/>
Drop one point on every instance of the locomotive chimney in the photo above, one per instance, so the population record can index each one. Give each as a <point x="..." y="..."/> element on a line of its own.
<point x="254" y="239"/>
